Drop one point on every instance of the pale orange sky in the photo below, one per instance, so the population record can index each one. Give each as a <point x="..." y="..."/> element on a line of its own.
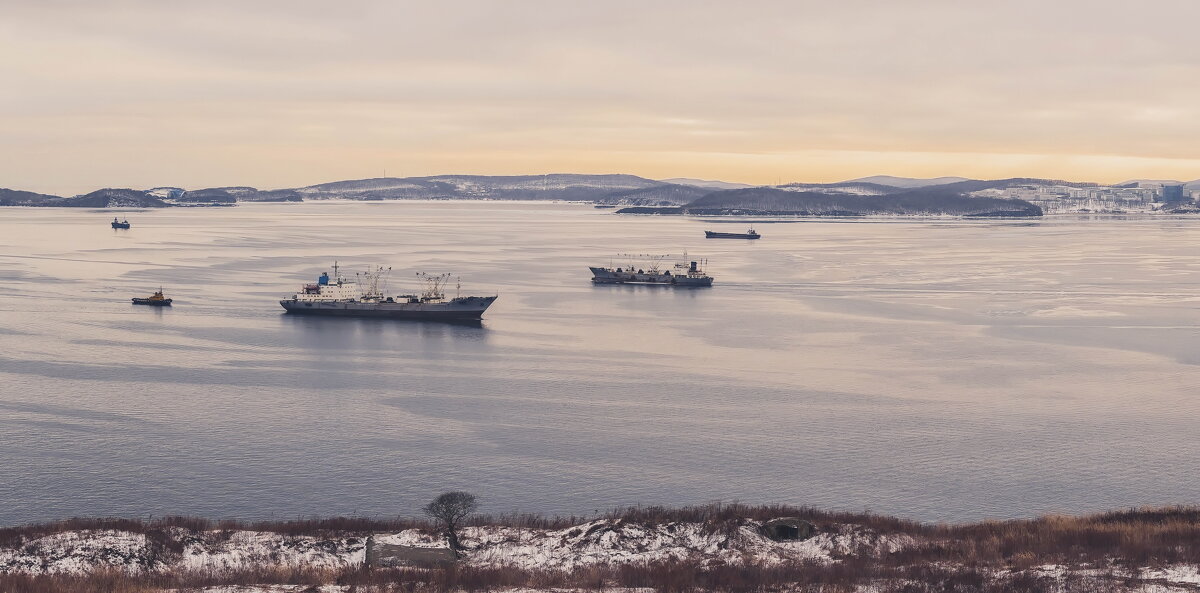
<point x="290" y="93"/>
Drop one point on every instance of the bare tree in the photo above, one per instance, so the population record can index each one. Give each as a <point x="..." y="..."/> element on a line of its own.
<point x="448" y="510"/>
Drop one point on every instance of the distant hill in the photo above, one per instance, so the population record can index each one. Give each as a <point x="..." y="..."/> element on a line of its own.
<point x="1189" y="185"/>
<point x="860" y="188"/>
<point x="974" y="185"/>
<point x="772" y="201"/>
<point x="111" y="198"/>
<point x="706" y="183"/>
<point x="272" y="195"/>
<point x="906" y="182"/>
<point x="861" y="196"/>
<point x="556" y="186"/>
<point x="228" y="195"/>
<point x="611" y="189"/>
<point x="657" y="195"/>
<point x="1143" y="182"/>
<point x="101" y="198"/>
<point x="14" y="197"/>
<point x="211" y="195"/>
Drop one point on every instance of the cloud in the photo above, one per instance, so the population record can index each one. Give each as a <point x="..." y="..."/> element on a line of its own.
<point x="110" y="93"/>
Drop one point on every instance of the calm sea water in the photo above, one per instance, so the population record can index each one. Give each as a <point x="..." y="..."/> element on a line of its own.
<point x="938" y="370"/>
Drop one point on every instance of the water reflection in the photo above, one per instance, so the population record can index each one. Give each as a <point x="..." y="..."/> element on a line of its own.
<point x="335" y="333"/>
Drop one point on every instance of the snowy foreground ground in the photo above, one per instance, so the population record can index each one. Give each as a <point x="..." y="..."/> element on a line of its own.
<point x="609" y="553"/>
<point x="597" y="542"/>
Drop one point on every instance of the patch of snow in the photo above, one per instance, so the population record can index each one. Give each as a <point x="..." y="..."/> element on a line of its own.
<point x="907" y="182"/>
<point x="165" y="193"/>
<point x="706" y="183"/>
<point x="856" y="190"/>
<point x="1184" y="574"/>
<point x="620" y="542"/>
<point x="268" y="589"/>
<point x="251" y="548"/>
<point x="597" y="542"/>
<point x="348" y="588"/>
<point x="77" y="552"/>
<point x="413" y="538"/>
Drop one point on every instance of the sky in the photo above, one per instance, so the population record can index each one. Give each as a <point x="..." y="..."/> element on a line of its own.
<point x="274" y="94"/>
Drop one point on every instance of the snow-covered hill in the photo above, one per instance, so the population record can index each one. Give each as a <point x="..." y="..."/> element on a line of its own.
<point x="906" y="182"/>
<point x="706" y="183"/>
<point x="554" y="186"/>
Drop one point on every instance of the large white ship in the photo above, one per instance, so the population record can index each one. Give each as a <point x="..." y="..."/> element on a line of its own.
<point x="362" y="296"/>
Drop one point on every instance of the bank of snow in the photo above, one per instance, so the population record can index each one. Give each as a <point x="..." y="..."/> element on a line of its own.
<point x="623" y="542"/>
<point x="598" y="542"/>
<point x="81" y="552"/>
<point x="77" y="552"/>
<point x="223" y="551"/>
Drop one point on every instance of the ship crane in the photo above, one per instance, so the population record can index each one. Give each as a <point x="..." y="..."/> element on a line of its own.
<point x="433" y="285"/>
<point x="653" y="261"/>
<point x="376" y="281"/>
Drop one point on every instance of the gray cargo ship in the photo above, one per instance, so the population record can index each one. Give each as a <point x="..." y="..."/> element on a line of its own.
<point x="686" y="273"/>
<point x="363" y="296"/>
<point x="750" y="234"/>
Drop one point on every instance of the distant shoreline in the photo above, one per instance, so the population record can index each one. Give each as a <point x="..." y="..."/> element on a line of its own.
<point x="765" y="217"/>
<point x="1000" y="198"/>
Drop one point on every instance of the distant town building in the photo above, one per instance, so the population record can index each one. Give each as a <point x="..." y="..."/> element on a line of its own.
<point x="1101" y="199"/>
<point x="1172" y="193"/>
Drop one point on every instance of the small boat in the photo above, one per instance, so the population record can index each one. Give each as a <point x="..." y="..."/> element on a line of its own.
<point x="155" y="300"/>
<point x="750" y="234"/>
<point x="123" y="224"/>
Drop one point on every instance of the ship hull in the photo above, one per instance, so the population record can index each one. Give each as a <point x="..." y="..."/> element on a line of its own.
<point x="464" y="309"/>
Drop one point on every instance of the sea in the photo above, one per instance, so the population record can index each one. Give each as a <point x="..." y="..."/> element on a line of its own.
<point x="942" y="370"/>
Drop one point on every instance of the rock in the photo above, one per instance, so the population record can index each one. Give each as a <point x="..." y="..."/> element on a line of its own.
<point x="788" y="529"/>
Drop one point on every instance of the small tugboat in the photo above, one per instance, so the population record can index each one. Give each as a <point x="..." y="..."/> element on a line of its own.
<point x="750" y="234"/>
<point x="155" y="300"/>
<point x="124" y="224"/>
<point x="686" y="274"/>
<point x="363" y="297"/>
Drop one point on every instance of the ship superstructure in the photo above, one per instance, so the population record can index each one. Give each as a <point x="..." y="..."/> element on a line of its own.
<point x="653" y="270"/>
<point x="363" y="296"/>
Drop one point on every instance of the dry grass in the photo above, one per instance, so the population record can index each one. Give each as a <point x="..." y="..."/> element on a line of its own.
<point x="664" y="577"/>
<point x="1135" y="537"/>
<point x="330" y="526"/>
<point x="722" y="513"/>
